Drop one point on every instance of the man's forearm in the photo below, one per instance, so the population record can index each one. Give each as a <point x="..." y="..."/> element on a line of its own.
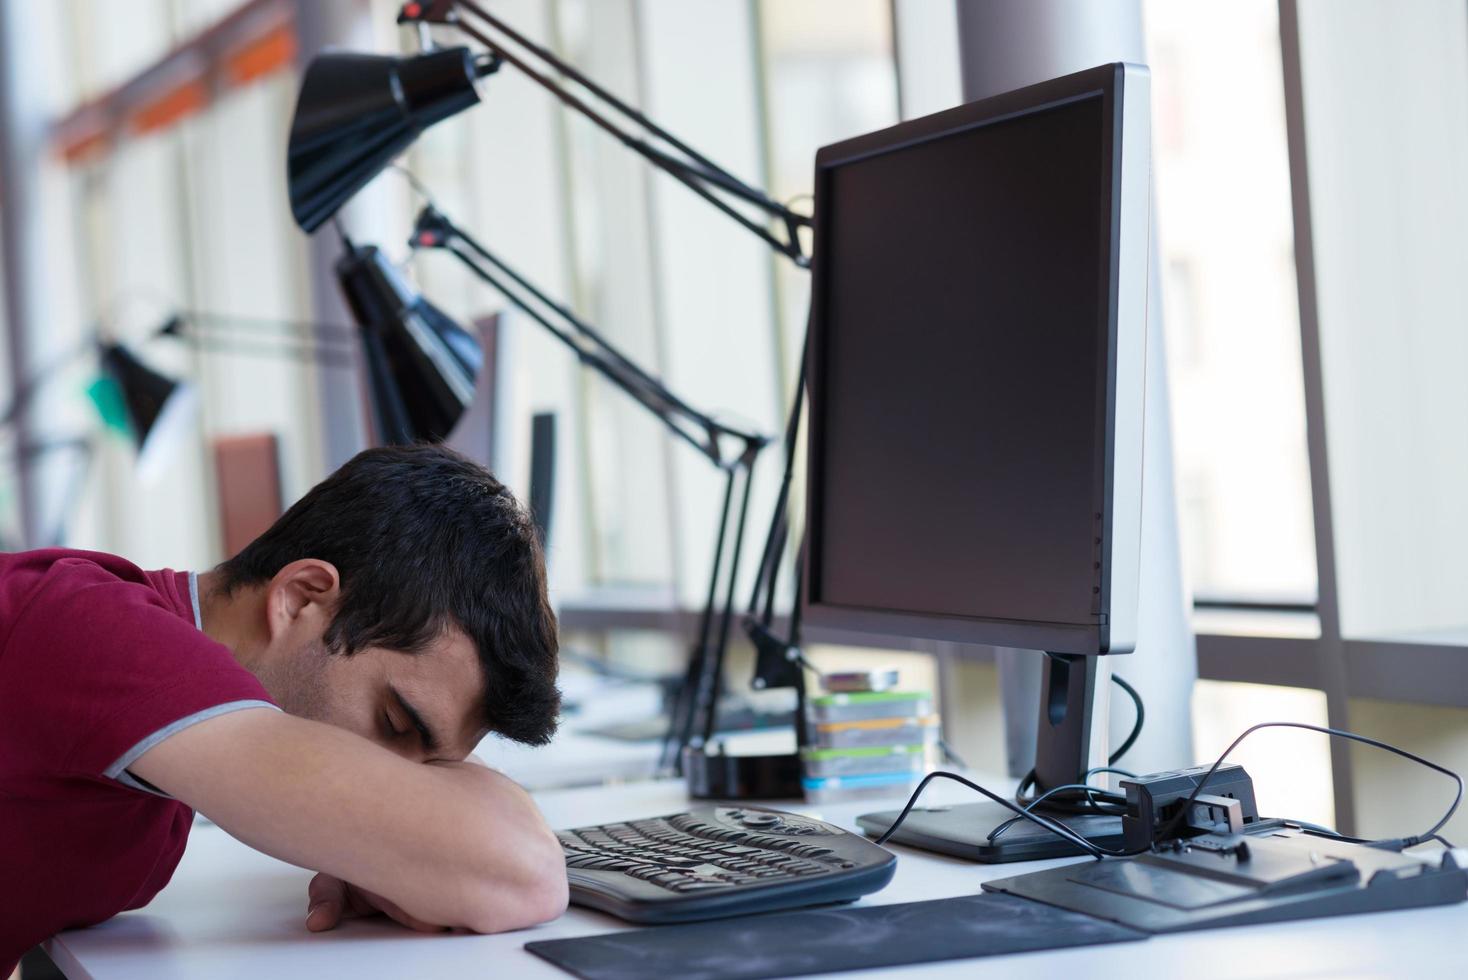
<point x="453" y="844"/>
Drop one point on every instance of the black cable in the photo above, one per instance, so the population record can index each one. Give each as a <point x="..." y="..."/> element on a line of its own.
<point x="1405" y="842"/>
<point x="1111" y="769"/>
<point x="1087" y="804"/>
<point x="795" y="610"/>
<point x="1131" y="739"/>
<point x="1054" y="826"/>
<point x="1061" y="830"/>
<point x="1078" y="799"/>
<point x="1089" y="791"/>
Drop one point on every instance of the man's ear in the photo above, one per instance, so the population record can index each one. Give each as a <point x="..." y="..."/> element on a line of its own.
<point x="301" y="596"/>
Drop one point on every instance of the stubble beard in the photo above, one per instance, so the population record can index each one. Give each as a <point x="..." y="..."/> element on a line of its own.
<point x="298" y="684"/>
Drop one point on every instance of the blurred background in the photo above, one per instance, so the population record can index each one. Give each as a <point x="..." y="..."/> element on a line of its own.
<point x="1310" y="213"/>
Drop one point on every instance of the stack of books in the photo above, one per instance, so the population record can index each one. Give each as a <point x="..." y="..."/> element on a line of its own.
<point x="868" y="743"/>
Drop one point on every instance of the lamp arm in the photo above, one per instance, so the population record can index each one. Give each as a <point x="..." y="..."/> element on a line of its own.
<point x="704" y="433"/>
<point x="296" y="352"/>
<point x="211" y="331"/>
<point x="28" y="388"/>
<point x="695" y="711"/>
<point x="85" y="449"/>
<point x="229" y="321"/>
<point x="688" y="166"/>
<point x="176" y="326"/>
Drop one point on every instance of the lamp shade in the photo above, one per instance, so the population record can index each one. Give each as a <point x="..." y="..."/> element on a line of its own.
<point x="158" y="408"/>
<point x="421" y="365"/>
<point x="358" y="111"/>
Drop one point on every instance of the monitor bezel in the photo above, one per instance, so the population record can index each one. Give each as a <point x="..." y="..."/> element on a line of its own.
<point x="1112" y="627"/>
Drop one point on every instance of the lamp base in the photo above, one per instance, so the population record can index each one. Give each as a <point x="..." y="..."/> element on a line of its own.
<point x="717" y="776"/>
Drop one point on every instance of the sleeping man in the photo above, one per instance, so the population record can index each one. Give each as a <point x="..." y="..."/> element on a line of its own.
<point x="316" y="696"/>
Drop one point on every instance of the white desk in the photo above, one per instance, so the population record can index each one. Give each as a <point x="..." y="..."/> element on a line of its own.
<point x="233" y="913"/>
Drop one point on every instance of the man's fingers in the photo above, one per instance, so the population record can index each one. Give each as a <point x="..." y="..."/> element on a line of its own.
<point x="391" y="910"/>
<point x="324" y="887"/>
<point x="327" y="902"/>
<point x="332" y="900"/>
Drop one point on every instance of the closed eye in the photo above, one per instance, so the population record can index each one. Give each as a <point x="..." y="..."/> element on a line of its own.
<point x="392" y="731"/>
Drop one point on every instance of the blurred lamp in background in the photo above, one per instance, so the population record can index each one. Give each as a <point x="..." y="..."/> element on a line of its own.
<point x="421" y="365"/>
<point x="156" y="409"/>
<point x="153" y="409"/>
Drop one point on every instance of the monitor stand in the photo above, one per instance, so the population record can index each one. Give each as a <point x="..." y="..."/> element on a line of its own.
<point x="1072" y="724"/>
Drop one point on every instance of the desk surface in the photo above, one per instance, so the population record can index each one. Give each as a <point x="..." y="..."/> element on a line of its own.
<point x="231" y="912"/>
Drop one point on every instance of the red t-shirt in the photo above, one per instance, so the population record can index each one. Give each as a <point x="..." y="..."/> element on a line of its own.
<point x="99" y="661"/>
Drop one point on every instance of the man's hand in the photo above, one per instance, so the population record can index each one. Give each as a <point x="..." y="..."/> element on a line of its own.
<point x="333" y="900"/>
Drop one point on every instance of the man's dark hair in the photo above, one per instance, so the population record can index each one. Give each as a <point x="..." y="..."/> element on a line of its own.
<point x="425" y="539"/>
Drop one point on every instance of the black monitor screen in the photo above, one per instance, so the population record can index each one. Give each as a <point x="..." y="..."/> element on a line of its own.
<point x="959" y="364"/>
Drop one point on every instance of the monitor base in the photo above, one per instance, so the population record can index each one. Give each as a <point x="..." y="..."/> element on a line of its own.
<point x="963" y="830"/>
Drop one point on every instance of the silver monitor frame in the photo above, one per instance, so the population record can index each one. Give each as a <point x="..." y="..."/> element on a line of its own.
<point x="1125" y="89"/>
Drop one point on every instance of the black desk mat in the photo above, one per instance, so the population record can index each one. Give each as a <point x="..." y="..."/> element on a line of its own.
<point x="828" y="940"/>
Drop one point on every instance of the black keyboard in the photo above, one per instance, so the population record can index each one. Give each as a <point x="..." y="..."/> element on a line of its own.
<point x="714" y="861"/>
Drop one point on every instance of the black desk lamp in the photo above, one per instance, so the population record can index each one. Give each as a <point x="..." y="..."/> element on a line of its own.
<point x="334" y="151"/>
<point x="421" y="365"/>
<point x="356" y="112"/>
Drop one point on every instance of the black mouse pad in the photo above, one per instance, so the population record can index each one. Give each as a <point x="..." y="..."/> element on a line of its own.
<point x="828" y="940"/>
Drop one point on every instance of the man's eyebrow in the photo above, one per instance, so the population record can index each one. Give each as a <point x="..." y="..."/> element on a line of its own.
<point x="430" y="743"/>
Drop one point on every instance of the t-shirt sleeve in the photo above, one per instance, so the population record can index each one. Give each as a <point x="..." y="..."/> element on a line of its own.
<point x="101" y="669"/>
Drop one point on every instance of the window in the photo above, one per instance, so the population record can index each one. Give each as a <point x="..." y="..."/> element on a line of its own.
<point x="627" y="456"/>
<point x="829" y="74"/>
<point x="1379" y="213"/>
<point x="1225" y="234"/>
<point x="1387" y="152"/>
<point x="1291" y="769"/>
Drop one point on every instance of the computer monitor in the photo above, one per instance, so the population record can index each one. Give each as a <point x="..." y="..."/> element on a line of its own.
<point x="977" y="347"/>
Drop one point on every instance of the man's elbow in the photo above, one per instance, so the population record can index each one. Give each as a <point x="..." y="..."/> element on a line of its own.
<point x="550" y="894"/>
<point x="533" y="891"/>
<point x="546" y="891"/>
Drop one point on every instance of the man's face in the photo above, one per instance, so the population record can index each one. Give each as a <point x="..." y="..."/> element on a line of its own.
<point x="423" y="706"/>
